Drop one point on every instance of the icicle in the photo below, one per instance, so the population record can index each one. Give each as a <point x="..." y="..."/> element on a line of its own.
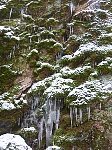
<point x="70" y="30"/>
<point x="35" y="103"/>
<point x="13" y="52"/>
<point x="63" y="39"/>
<point x="52" y="114"/>
<point x="30" y="116"/>
<point x="55" y="104"/>
<point x="29" y="47"/>
<point x="58" y="56"/>
<point x="48" y="122"/>
<point x="19" y="121"/>
<point x="71" y="116"/>
<point x="88" y="110"/>
<point x="32" y="104"/>
<point x="76" y="113"/>
<point x="40" y="135"/>
<point x="39" y="142"/>
<point x="73" y="148"/>
<point x="57" y="118"/>
<point x="22" y="125"/>
<point x="89" y="113"/>
<point x="34" y="28"/>
<point x="48" y="135"/>
<point x="25" y="123"/>
<point x="71" y="7"/>
<point x="90" y="148"/>
<point x="80" y="112"/>
<point x="10" y="14"/>
<point x="26" y="10"/>
<point x="22" y="12"/>
<point x="51" y="127"/>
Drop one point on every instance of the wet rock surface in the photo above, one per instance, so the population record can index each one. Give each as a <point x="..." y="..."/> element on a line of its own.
<point x="56" y="73"/>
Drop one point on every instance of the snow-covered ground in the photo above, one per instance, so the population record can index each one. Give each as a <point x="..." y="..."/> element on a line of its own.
<point x="13" y="142"/>
<point x="53" y="148"/>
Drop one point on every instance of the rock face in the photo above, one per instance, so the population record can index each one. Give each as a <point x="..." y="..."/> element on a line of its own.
<point x="11" y="141"/>
<point x="56" y="72"/>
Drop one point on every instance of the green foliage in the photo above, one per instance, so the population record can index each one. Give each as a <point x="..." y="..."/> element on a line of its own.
<point x="7" y="76"/>
<point x="102" y="14"/>
<point x="43" y="70"/>
<point x="33" y="57"/>
<point x="27" y="134"/>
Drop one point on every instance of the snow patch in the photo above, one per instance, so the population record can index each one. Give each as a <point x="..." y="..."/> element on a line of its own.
<point x="53" y="148"/>
<point x="11" y="141"/>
